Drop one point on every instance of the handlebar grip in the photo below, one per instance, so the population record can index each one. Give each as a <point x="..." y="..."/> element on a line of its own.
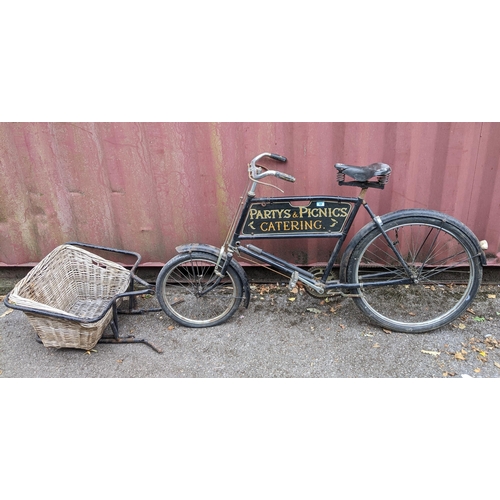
<point x="285" y="177"/>
<point x="277" y="157"/>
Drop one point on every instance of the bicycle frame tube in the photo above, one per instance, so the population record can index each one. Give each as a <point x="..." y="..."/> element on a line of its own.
<point x="300" y="217"/>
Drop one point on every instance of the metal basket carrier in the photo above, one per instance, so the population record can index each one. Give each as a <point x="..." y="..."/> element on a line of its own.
<point x="72" y="295"/>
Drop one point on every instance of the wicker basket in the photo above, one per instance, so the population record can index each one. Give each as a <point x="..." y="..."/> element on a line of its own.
<point x="68" y="297"/>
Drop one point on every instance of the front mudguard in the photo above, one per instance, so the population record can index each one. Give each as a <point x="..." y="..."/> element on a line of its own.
<point x="236" y="266"/>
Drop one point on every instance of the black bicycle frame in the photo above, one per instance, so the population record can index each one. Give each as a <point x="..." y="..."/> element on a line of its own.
<point x="289" y="217"/>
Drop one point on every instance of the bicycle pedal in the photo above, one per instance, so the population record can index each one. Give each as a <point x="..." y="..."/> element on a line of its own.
<point x="293" y="280"/>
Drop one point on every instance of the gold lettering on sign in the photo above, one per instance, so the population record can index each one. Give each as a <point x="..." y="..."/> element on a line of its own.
<point x="277" y="219"/>
<point x="323" y="212"/>
<point x="270" y="214"/>
<point x="294" y="225"/>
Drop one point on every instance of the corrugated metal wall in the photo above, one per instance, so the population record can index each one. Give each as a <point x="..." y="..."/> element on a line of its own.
<point x="148" y="187"/>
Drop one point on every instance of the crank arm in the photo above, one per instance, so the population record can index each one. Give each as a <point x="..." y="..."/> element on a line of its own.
<point x="311" y="284"/>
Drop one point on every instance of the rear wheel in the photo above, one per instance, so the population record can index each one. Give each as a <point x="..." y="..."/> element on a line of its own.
<point x="184" y="290"/>
<point x="443" y="261"/>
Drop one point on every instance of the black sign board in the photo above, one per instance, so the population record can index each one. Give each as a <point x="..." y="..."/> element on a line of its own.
<point x="317" y="217"/>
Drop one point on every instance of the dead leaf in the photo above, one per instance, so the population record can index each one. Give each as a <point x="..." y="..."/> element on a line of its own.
<point x="386" y="331"/>
<point x="432" y="353"/>
<point x="171" y="327"/>
<point x="449" y="374"/>
<point x="8" y="311"/>
<point x="492" y="296"/>
<point x="492" y="342"/>
<point x="291" y="299"/>
<point x="376" y="345"/>
<point x="461" y="326"/>
<point x="342" y="326"/>
<point x="295" y="290"/>
<point x="497" y="364"/>
<point x="477" y="370"/>
<point x="483" y="353"/>
<point x="313" y="310"/>
<point x="459" y="355"/>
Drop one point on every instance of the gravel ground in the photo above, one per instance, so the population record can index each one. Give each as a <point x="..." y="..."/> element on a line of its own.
<point x="274" y="338"/>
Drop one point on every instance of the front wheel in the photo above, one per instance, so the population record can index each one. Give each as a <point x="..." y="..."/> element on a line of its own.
<point x="186" y="292"/>
<point x="445" y="272"/>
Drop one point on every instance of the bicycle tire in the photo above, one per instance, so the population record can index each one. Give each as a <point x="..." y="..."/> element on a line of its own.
<point x="180" y="286"/>
<point x="442" y="257"/>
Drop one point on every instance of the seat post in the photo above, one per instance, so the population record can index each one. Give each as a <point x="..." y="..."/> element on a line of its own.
<point x="362" y="194"/>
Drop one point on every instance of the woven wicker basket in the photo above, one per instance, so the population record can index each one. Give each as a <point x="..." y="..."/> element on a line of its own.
<point x="76" y="286"/>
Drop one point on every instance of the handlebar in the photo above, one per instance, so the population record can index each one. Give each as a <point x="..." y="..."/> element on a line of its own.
<point x="277" y="157"/>
<point x="285" y="177"/>
<point x="257" y="173"/>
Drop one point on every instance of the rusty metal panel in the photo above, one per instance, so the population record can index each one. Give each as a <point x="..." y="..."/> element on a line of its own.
<point x="149" y="187"/>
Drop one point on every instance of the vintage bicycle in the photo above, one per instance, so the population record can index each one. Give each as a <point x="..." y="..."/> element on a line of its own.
<point x="412" y="270"/>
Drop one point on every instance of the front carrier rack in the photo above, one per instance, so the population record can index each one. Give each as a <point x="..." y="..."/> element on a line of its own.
<point x="72" y="295"/>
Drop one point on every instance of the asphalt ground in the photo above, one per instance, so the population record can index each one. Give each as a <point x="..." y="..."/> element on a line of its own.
<point x="280" y="335"/>
<point x="289" y="399"/>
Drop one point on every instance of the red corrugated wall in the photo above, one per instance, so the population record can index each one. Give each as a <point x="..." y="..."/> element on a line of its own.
<point x="148" y="187"/>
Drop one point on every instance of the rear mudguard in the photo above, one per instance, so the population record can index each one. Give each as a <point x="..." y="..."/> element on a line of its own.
<point x="236" y="266"/>
<point x="431" y="214"/>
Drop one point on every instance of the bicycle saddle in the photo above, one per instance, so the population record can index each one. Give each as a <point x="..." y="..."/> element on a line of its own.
<point x="362" y="174"/>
